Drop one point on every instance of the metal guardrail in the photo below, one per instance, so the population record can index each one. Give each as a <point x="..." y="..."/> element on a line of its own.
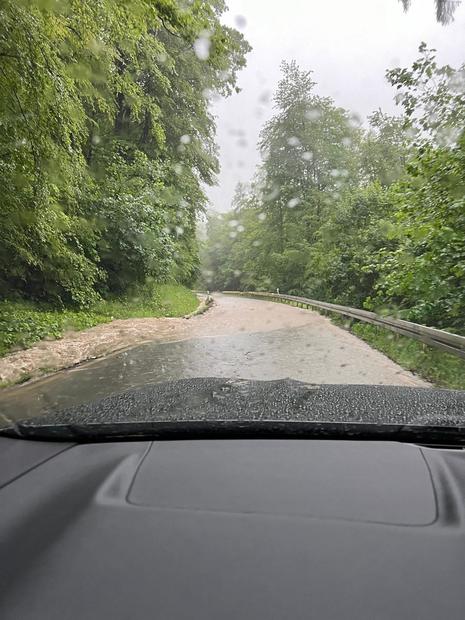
<point x="438" y="338"/>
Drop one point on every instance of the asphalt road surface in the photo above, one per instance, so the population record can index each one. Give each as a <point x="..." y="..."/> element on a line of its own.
<point x="237" y="338"/>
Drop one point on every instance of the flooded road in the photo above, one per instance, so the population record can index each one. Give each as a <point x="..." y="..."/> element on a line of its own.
<point x="237" y="338"/>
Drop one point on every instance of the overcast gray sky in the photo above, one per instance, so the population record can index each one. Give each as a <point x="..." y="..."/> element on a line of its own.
<point x="347" y="43"/>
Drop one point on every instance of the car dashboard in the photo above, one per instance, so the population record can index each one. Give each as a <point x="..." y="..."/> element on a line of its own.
<point x="244" y="528"/>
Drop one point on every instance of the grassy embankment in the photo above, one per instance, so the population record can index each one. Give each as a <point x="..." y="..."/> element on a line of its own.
<point x="24" y="323"/>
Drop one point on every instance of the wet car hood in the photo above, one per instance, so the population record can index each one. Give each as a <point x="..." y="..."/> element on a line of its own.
<point x="231" y="529"/>
<point x="214" y="406"/>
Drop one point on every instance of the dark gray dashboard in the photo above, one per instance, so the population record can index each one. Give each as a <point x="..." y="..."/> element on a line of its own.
<point x="272" y="529"/>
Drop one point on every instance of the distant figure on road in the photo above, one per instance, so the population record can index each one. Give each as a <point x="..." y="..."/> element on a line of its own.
<point x="277" y="290"/>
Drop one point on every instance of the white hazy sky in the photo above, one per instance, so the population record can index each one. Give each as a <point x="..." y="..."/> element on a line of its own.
<point x="348" y="44"/>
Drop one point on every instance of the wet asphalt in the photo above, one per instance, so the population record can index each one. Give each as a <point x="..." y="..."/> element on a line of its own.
<point x="313" y="351"/>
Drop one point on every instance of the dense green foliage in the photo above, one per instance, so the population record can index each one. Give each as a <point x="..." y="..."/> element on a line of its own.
<point x="366" y="216"/>
<point x="24" y="323"/>
<point x="106" y="140"/>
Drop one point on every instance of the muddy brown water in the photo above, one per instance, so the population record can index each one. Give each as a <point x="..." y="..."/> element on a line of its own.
<point x="237" y="338"/>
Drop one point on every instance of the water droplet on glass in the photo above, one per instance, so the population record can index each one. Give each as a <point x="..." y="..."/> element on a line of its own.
<point x="233" y="234"/>
<point x="225" y="75"/>
<point x="274" y="193"/>
<point x="185" y="139"/>
<point x="293" y="141"/>
<point x="202" y="46"/>
<point x="293" y="202"/>
<point x="233" y="223"/>
<point x="355" y="120"/>
<point x="240" y="228"/>
<point x="240" y="21"/>
<point x="262" y="217"/>
<point x="308" y="156"/>
<point x="313" y="115"/>
<point x="210" y="94"/>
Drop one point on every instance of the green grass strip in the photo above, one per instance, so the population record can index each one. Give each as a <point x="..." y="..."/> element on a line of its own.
<point x="24" y="323"/>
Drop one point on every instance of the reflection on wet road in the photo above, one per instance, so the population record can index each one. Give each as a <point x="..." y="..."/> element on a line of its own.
<point x="309" y="348"/>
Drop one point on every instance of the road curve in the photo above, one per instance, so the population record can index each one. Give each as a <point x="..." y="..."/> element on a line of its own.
<point x="237" y="338"/>
<point x="290" y="342"/>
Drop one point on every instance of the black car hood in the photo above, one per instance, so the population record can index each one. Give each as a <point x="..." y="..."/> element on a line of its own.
<point x="213" y="406"/>
<point x="272" y="529"/>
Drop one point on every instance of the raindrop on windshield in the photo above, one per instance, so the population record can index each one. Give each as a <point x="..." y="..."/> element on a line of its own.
<point x="293" y="141"/>
<point x="210" y="94"/>
<point x="202" y="46"/>
<point x="274" y="193"/>
<point x="313" y="114"/>
<point x="240" y="21"/>
<point x="265" y="97"/>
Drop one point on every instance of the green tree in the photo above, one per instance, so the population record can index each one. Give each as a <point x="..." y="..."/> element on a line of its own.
<point x="424" y="274"/>
<point x="384" y="149"/>
<point x="308" y="154"/>
<point x="106" y="140"/>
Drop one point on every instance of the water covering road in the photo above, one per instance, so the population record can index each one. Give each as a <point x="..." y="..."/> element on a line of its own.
<point x="237" y="338"/>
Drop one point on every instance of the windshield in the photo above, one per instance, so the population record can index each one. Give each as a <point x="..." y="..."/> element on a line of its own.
<point x="231" y="193"/>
